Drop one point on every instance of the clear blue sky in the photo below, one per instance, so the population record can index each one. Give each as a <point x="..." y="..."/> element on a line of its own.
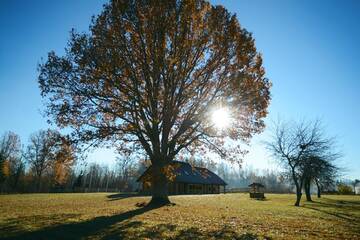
<point x="311" y="53"/>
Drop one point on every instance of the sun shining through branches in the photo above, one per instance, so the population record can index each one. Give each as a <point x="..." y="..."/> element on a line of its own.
<point x="149" y="71"/>
<point x="221" y="118"/>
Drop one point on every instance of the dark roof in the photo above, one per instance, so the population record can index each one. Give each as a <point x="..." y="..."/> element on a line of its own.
<point x="185" y="173"/>
<point x="256" y="184"/>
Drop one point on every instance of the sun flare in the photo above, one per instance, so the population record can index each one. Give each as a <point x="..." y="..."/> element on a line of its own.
<point x="221" y="118"/>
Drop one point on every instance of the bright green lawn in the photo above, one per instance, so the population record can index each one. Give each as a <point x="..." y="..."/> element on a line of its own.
<point x="229" y="216"/>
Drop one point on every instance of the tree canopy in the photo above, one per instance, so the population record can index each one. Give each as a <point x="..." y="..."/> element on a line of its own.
<point x="149" y="74"/>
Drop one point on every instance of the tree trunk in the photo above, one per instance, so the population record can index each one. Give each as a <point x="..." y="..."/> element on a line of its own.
<point x="298" y="194"/>
<point x="91" y="172"/>
<point x="107" y="182"/>
<point x="298" y="187"/>
<point x="318" y="189"/>
<point x="159" y="185"/>
<point x="307" y="190"/>
<point x="38" y="184"/>
<point x="298" y="198"/>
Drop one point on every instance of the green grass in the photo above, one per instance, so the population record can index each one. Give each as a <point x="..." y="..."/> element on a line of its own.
<point x="229" y="216"/>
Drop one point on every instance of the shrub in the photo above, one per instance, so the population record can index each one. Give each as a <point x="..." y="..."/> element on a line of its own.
<point x="344" y="189"/>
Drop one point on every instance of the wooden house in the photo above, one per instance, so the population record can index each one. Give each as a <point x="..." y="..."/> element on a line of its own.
<point x="187" y="180"/>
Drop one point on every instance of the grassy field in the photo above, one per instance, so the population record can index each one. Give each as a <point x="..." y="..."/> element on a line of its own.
<point x="229" y="216"/>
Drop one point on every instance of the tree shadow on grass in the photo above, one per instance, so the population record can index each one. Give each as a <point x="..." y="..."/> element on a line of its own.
<point x="343" y="216"/>
<point x="173" y="232"/>
<point x="346" y="211"/>
<point x="352" y="203"/>
<point x="119" y="196"/>
<point x="14" y="226"/>
<point x="121" y="226"/>
<point x="345" y="207"/>
<point x="224" y="233"/>
<point x="82" y="229"/>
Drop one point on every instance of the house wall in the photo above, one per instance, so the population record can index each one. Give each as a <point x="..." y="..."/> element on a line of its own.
<point x="357" y="190"/>
<point x="185" y="188"/>
<point x="188" y="188"/>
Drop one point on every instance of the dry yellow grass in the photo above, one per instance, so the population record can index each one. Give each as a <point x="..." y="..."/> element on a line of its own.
<point x="229" y="216"/>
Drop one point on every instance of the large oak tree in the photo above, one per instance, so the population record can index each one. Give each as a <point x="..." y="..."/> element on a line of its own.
<point x="148" y="75"/>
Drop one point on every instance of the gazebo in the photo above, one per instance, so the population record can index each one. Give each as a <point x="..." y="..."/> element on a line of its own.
<point x="257" y="190"/>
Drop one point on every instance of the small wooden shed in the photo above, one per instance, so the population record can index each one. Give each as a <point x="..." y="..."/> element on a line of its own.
<point x="257" y="190"/>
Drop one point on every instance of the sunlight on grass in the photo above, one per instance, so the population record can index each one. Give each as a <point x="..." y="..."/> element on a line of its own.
<point x="229" y="216"/>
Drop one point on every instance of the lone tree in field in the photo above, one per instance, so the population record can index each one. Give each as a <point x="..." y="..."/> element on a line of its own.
<point x="306" y="153"/>
<point x="148" y="77"/>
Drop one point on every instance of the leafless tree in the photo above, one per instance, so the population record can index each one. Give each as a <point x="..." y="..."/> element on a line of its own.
<point x="126" y="167"/>
<point x="41" y="153"/>
<point x="320" y="170"/>
<point x="297" y="145"/>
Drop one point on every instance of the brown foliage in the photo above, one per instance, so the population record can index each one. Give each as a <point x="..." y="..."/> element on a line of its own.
<point x="10" y="154"/>
<point x="65" y="158"/>
<point x="150" y="73"/>
<point x="50" y="153"/>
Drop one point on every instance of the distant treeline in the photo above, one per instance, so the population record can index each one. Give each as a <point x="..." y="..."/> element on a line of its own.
<point x="49" y="163"/>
